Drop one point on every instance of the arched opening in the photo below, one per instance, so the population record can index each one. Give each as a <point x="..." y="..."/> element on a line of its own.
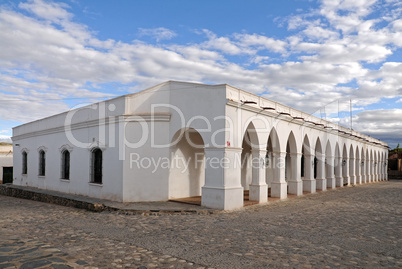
<point x="370" y="166"/>
<point x="317" y="155"/>
<point x="250" y="142"/>
<point x="269" y="160"/>
<point x="187" y="169"/>
<point x="319" y="166"/>
<point x="329" y="166"/>
<point x="357" y="165"/>
<point x="307" y="166"/>
<point x="352" y="166"/>
<point x="290" y="161"/>
<point x="293" y="167"/>
<point x="272" y="172"/>
<point x="24" y="162"/>
<point x="97" y="160"/>
<point x="345" y="166"/>
<point x="338" y="166"/>
<point x="65" y="164"/>
<point x="306" y="156"/>
<point x="362" y="166"/>
<point x="42" y="163"/>
<point x="378" y="165"/>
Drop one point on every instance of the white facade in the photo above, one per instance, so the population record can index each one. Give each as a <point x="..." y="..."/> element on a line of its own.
<point x="6" y="159"/>
<point x="182" y="139"/>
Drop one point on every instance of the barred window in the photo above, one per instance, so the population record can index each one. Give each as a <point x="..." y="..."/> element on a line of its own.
<point x="24" y="162"/>
<point x="42" y="163"/>
<point x="96" y="175"/>
<point x="65" y="164"/>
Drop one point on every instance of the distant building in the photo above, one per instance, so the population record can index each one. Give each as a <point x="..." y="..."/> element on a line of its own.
<point x="180" y="139"/>
<point x="395" y="161"/>
<point x="6" y="163"/>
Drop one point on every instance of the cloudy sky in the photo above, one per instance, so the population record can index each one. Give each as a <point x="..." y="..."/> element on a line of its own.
<point x="317" y="56"/>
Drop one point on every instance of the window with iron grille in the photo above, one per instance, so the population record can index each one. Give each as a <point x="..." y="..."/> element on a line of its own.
<point x="96" y="175"/>
<point x="24" y="162"/>
<point x="42" y="163"/>
<point x="65" y="164"/>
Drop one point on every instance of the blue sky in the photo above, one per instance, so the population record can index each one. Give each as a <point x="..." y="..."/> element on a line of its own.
<point x="312" y="55"/>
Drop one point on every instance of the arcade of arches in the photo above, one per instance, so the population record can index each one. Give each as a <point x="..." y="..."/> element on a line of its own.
<point x="300" y="165"/>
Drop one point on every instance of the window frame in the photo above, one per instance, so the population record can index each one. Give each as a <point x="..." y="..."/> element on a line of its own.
<point x="96" y="176"/>
<point x="65" y="174"/>
<point x="42" y="163"/>
<point x="24" y="162"/>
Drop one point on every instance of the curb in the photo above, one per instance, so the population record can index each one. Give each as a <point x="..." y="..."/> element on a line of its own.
<point x="94" y="206"/>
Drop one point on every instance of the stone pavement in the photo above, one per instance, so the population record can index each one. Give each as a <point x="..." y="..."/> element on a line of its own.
<point x="356" y="227"/>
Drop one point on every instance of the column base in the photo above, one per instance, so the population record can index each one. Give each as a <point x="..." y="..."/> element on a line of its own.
<point x="353" y="180"/>
<point x="339" y="181"/>
<point x="258" y="193"/>
<point x="279" y="189"/>
<point x="321" y="184"/>
<point x="222" y="198"/>
<point x="296" y="187"/>
<point x="347" y="180"/>
<point x="331" y="183"/>
<point x="309" y="185"/>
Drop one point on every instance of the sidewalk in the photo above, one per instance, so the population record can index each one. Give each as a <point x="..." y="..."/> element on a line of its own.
<point x="98" y="205"/>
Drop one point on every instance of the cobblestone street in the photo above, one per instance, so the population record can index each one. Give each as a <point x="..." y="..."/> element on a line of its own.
<point x="356" y="227"/>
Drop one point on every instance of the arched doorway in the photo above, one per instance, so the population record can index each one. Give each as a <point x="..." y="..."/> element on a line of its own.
<point x="352" y="166"/>
<point x="308" y="164"/>
<point x="293" y="166"/>
<point x="277" y="166"/>
<point x="319" y="166"/>
<point x="338" y="166"/>
<point x="329" y="166"/>
<point x="362" y="167"/>
<point x="345" y="166"/>
<point x="357" y="165"/>
<point x="250" y="165"/>
<point x="187" y="170"/>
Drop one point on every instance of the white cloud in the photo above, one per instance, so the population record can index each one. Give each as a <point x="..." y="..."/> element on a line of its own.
<point x="49" y="56"/>
<point x="158" y="34"/>
<point x="383" y="124"/>
<point x="47" y="10"/>
<point x="260" y="42"/>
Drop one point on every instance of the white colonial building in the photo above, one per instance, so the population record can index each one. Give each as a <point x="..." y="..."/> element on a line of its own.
<point x="180" y="139"/>
<point x="6" y="163"/>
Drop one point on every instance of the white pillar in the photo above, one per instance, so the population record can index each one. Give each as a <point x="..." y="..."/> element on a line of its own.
<point x="380" y="171"/>
<point x="279" y="185"/>
<point x="345" y="171"/>
<point x="386" y="168"/>
<point x="222" y="189"/>
<point x="320" y="180"/>
<point x="330" y="172"/>
<point x="373" y="171"/>
<point x="338" y="172"/>
<point x="258" y="186"/>
<point x="295" y="183"/>
<point x="352" y="166"/>
<point x="309" y="183"/>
